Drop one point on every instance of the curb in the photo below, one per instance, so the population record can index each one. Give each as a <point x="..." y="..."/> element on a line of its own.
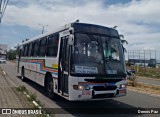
<point x="35" y="103"/>
<point x="154" y="95"/>
<point x="28" y="96"/>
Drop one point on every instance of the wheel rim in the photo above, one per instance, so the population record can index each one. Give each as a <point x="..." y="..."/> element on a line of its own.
<point x="50" y="86"/>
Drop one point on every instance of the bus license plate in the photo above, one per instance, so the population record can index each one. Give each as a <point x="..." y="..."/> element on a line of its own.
<point x="122" y="91"/>
<point x="86" y="92"/>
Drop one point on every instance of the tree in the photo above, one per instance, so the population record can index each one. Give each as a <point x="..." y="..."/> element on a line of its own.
<point x="123" y="41"/>
<point x="11" y="54"/>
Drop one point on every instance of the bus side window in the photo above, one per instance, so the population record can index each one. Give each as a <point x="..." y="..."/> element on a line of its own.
<point x="22" y="51"/>
<point x="28" y="46"/>
<point x="26" y="50"/>
<point x="42" y="48"/>
<point x="52" y="45"/>
<point x="36" y="48"/>
<point x="30" y="49"/>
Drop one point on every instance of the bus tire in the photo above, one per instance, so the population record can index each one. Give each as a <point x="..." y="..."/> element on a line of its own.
<point x="49" y="87"/>
<point x="22" y="75"/>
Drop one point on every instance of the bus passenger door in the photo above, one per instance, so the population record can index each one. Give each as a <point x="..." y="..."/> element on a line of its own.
<point x="63" y="66"/>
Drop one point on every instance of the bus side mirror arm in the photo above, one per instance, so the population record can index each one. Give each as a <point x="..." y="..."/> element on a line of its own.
<point x="124" y="50"/>
<point x="71" y="39"/>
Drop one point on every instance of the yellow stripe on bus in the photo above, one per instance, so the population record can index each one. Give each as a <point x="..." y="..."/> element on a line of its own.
<point x="54" y="65"/>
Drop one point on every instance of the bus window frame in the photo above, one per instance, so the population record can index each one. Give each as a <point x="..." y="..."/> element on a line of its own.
<point x="36" y="52"/>
<point x="44" y="47"/>
<point x="52" y="37"/>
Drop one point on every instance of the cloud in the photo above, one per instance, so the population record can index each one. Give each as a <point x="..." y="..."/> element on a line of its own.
<point x="49" y="13"/>
<point x="137" y="20"/>
<point x="53" y="11"/>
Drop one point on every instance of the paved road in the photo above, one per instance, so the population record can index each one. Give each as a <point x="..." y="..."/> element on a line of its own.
<point x="149" y="81"/>
<point x="132" y="100"/>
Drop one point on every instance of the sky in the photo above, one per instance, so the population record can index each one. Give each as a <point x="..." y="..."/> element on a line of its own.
<point x="137" y="20"/>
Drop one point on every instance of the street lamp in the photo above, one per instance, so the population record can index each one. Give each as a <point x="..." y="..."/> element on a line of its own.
<point x="43" y="27"/>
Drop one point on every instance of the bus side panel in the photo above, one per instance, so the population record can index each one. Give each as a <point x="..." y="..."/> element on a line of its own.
<point x="40" y="75"/>
<point x="73" y="94"/>
<point x="17" y="71"/>
<point x="27" y="70"/>
<point x="52" y="64"/>
<point x="45" y="65"/>
<point x="31" y="71"/>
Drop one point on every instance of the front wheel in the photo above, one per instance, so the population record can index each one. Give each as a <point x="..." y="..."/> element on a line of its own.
<point x="49" y="87"/>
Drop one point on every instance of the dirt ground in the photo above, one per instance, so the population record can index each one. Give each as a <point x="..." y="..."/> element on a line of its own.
<point x="145" y="88"/>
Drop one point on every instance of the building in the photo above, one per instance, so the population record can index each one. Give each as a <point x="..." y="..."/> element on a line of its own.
<point x="3" y="50"/>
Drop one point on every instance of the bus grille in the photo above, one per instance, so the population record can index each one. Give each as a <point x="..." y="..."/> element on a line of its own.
<point x="104" y="88"/>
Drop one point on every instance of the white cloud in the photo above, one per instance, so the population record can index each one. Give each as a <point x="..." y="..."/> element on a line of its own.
<point x="133" y="19"/>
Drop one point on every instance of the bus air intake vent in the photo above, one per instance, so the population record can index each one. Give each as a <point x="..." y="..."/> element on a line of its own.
<point x="104" y="88"/>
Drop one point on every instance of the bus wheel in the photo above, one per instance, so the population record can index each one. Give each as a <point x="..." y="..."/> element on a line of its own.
<point x="22" y="75"/>
<point x="49" y="87"/>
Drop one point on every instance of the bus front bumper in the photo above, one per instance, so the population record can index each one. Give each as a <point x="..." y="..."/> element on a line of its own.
<point x="99" y="92"/>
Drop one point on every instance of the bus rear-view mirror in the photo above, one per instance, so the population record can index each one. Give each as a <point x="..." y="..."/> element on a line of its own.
<point x="70" y="40"/>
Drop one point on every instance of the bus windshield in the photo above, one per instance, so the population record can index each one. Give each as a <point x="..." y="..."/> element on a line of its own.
<point x="96" y="55"/>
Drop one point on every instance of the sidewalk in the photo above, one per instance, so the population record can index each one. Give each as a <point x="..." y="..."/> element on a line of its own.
<point x="11" y="98"/>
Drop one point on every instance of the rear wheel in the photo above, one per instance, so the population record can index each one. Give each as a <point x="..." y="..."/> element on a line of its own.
<point x="22" y="75"/>
<point x="49" y="87"/>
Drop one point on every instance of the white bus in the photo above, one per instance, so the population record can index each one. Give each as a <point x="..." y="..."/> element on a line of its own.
<point x="78" y="62"/>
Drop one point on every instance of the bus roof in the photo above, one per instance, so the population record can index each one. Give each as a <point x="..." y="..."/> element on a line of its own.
<point x="47" y="33"/>
<point x="79" y="27"/>
<point x="92" y="28"/>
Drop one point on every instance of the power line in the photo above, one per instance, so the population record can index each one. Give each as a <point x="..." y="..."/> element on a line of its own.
<point x="0" y="5"/>
<point x="3" y="5"/>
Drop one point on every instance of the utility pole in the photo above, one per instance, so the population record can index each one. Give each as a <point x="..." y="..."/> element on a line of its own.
<point x="0" y="10"/>
<point x="3" y="5"/>
<point x="43" y="27"/>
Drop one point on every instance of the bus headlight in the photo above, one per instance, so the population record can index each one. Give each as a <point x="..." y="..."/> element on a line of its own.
<point x="81" y="87"/>
<point x="123" y="86"/>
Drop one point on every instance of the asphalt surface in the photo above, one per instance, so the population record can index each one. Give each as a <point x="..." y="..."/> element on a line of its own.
<point x="131" y="101"/>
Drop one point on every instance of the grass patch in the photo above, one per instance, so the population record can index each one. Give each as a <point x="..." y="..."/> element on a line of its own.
<point x="146" y="72"/>
<point x="32" y="97"/>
